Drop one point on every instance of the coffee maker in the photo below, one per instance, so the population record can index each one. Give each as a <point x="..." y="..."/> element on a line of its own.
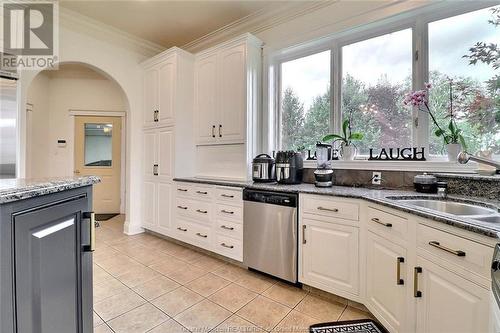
<point x="323" y="174"/>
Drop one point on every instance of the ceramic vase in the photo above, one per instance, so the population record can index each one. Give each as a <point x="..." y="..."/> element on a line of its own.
<point x="453" y="150"/>
<point x="348" y="153"/>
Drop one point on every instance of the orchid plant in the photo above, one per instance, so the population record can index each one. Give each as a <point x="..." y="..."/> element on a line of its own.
<point x="419" y="99"/>
<point x="347" y="135"/>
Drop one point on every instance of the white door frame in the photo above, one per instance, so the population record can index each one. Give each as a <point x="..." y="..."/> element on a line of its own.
<point x="104" y="113"/>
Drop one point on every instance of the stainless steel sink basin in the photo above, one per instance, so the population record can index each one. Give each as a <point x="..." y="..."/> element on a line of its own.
<point x="451" y="207"/>
<point x="489" y="219"/>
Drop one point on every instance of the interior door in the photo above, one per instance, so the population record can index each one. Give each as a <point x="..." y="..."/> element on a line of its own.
<point x="232" y="116"/>
<point x="386" y="290"/>
<point x="98" y="152"/>
<point x="205" y="99"/>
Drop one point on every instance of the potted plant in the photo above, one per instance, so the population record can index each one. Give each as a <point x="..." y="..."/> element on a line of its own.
<point x="303" y="151"/>
<point x="452" y="134"/>
<point x="347" y="148"/>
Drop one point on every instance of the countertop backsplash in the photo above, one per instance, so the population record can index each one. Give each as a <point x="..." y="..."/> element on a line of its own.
<point x="462" y="184"/>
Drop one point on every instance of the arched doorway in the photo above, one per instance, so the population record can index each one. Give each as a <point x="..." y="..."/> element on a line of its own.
<point x="74" y="121"/>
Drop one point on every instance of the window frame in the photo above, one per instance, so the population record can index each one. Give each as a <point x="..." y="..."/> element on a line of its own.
<point x="417" y="20"/>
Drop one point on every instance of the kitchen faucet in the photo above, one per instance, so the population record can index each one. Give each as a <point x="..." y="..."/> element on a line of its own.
<point x="464" y="157"/>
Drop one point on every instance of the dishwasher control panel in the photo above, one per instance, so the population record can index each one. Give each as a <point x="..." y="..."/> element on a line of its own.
<point x="273" y="198"/>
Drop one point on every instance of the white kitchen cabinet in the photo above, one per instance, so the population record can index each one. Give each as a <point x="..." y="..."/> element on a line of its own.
<point x="387" y="282"/>
<point x="158" y="152"/>
<point x="329" y="257"/>
<point x="151" y="91"/>
<point x="206" y="99"/>
<point x="149" y="202"/>
<point x="149" y="150"/>
<point x="225" y="93"/>
<point x="448" y="302"/>
<point x="164" y="206"/>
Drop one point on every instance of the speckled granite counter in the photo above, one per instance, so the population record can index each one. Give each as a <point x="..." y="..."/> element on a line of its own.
<point x="382" y="197"/>
<point x="19" y="189"/>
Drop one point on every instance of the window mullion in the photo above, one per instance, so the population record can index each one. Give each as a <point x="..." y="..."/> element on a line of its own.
<point x="420" y="76"/>
<point x="336" y="86"/>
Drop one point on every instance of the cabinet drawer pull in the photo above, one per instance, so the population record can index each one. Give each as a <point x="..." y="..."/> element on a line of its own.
<point x="182" y="190"/>
<point x="155" y="169"/>
<point x="202" y="211"/>
<point x="182" y="207"/>
<point x="226" y="211"/>
<point x="201" y="235"/>
<point x="436" y="244"/>
<point x="304" y="234"/>
<point x="92" y="224"/>
<point x="201" y="192"/>
<point x="228" y="246"/>
<point x="181" y="229"/>
<point x="416" y="293"/>
<point x="399" y="280"/>
<point x="227" y="228"/>
<point x="376" y="220"/>
<point x="227" y="196"/>
<point x="335" y="210"/>
<point x="220" y="131"/>
<point x="213" y="131"/>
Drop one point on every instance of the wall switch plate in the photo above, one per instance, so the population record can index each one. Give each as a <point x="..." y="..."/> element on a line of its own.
<point x="377" y="178"/>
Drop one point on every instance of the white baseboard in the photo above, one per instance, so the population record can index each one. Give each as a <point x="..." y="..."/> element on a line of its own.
<point x="131" y="230"/>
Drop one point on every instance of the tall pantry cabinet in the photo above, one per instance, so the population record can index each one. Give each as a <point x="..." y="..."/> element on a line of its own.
<point x="167" y="129"/>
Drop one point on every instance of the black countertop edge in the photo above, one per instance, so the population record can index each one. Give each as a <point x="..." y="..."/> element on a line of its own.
<point x="19" y="189"/>
<point x="468" y="176"/>
<point x="379" y="197"/>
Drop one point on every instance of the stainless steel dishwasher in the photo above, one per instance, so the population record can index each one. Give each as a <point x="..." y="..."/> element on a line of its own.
<point x="270" y="229"/>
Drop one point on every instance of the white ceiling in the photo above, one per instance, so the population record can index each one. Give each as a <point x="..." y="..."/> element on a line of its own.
<point x="168" y="23"/>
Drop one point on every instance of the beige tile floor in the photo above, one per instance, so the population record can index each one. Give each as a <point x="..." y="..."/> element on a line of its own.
<point x="143" y="283"/>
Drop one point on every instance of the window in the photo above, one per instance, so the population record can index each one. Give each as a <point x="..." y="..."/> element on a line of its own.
<point x="305" y="101"/>
<point x="474" y="107"/>
<point x="98" y="145"/>
<point x="378" y="65"/>
<point x="376" y="74"/>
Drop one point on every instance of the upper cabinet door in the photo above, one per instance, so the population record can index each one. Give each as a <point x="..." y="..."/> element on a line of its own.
<point x="167" y="90"/>
<point x="150" y="96"/>
<point x="205" y="99"/>
<point x="232" y="96"/>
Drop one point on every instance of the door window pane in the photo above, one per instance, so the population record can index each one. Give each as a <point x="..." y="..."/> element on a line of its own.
<point x="98" y="145"/>
<point x="305" y="101"/>
<point x="376" y="73"/>
<point x="474" y="87"/>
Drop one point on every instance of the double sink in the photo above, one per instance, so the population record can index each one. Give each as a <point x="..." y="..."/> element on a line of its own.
<point x="457" y="207"/>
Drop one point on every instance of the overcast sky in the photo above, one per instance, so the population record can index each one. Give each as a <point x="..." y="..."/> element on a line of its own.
<point x="390" y="56"/>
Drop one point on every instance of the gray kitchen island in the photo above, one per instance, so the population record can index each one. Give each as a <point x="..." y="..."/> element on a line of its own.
<point x="47" y="235"/>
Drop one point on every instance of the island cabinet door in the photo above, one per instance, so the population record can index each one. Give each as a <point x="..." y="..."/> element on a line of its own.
<point x="52" y="268"/>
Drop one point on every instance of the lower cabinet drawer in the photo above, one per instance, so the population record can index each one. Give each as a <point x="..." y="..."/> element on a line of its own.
<point x="385" y="223"/>
<point x="182" y="229"/>
<point x="328" y="207"/>
<point x="230" y="212"/>
<point x="229" y="247"/>
<point x="231" y="229"/>
<point x="201" y="235"/>
<point x="461" y="252"/>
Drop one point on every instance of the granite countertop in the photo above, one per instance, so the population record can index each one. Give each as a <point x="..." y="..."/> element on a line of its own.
<point x="18" y="189"/>
<point x="382" y="197"/>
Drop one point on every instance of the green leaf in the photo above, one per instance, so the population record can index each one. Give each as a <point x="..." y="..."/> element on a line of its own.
<point x="451" y="126"/>
<point x="345" y="125"/>
<point x="330" y="137"/>
<point x="439" y="132"/>
<point x="356" y="136"/>
<point x="462" y="142"/>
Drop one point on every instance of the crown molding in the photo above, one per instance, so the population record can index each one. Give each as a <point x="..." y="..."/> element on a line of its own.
<point x="76" y="21"/>
<point x="264" y="19"/>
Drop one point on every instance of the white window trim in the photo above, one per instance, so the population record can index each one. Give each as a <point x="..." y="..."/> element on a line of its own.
<point x="418" y="21"/>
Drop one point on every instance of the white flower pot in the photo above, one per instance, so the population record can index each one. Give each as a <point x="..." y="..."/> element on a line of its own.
<point x="453" y="150"/>
<point x="348" y="153"/>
